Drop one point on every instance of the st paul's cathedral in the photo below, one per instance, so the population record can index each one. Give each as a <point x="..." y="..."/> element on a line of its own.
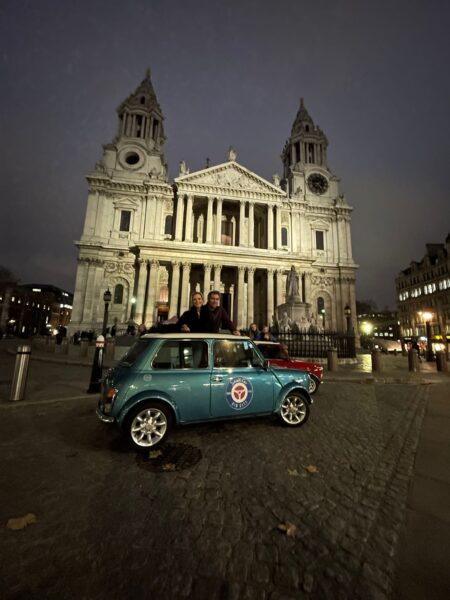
<point x="277" y="250"/>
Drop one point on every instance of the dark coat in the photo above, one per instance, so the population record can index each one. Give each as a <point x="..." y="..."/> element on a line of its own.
<point x="192" y="319"/>
<point x="214" y="320"/>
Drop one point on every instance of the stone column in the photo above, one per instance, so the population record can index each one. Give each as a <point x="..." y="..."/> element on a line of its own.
<point x="251" y="225"/>
<point x="206" y="279"/>
<point x="188" y="232"/>
<point x="184" y="303"/>
<point x="151" y="299"/>
<point x="209" y="220"/>
<point x="278" y="227"/>
<point x="349" y="238"/>
<point x="217" y="271"/>
<point x="88" y="300"/>
<point x="219" y="221"/>
<point x="174" y="289"/>
<point x="307" y="297"/>
<point x="158" y="218"/>
<point x="140" y="292"/>
<point x="179" y="220"/>
<point x="270" y="303"/>
<point x="279" y="280"/>
<point x="79" y="296"/>
<point x="242" y="223"/>
<point x="240" y="310"/>
<point x="250" y="292"/>
<point x="270" y="227"/>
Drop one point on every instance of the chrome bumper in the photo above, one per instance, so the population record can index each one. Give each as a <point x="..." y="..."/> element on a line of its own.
<point x="103" y="417"/>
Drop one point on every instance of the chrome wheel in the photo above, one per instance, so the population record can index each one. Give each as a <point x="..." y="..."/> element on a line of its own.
<point x="294" y="410"/>
<point x="148" y="427"/>
<point x="313" y="385"/>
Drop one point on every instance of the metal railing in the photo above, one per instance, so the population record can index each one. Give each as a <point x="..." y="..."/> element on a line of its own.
<point x="316" y="345"/>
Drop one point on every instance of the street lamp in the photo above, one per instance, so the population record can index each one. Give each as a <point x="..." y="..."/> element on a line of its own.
<point x="348" y="314"/>
<point x="323" y="318"/>
<point x="106" y="299"/>
<point x="427" y="317"/>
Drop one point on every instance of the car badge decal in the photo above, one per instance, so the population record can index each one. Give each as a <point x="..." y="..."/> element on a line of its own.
<point x="239" y="393"/>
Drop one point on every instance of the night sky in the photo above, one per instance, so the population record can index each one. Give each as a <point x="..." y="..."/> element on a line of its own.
<point x="374" y="75"/>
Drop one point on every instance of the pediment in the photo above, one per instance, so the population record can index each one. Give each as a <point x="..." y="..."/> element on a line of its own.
<point x="126" y="203"/>
<point x="228" y="178"/>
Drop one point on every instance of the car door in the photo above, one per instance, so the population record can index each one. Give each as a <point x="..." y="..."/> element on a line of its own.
<point x="239" y="383"/>
<point x="180" y="370"/>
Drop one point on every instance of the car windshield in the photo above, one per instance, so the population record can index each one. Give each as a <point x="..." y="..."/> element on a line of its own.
<point x="134" y="353"/>
<point x="273" y="351"/>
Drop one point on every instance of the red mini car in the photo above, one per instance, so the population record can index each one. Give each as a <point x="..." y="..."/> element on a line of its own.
<point x="277" y="354"/>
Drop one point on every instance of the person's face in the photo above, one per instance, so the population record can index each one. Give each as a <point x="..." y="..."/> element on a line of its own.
<point x="197" y="300"/>
<point x="265" y="330"/>
<point x="214" y="300"/>
<point x="253" y="327"/>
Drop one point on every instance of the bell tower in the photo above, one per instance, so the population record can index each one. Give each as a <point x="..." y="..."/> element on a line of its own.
<point x="305" y="149"/>
<point x="138" y="147"/>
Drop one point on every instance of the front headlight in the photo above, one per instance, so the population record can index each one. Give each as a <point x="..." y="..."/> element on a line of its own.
<point x="108" y="399"/>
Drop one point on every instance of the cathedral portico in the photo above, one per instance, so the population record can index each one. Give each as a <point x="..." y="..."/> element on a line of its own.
<point x="223" y="227"/>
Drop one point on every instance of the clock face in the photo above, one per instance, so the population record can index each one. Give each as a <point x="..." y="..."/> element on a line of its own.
<point x="317" y="184"/>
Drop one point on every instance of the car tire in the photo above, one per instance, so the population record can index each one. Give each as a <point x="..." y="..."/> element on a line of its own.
<point x="148" y="425"/>
<point x="294" y="409"/>
<point x="313" y="384"/>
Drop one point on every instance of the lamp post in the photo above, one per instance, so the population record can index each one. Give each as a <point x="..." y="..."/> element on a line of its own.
<point x="106" y="299"/>
<point x="427" y="317"/>
<point x="323" y="318"/>
<point x="348" y="314"/>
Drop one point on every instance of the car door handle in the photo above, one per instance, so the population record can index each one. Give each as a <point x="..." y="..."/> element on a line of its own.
<point x="216" y="378"/>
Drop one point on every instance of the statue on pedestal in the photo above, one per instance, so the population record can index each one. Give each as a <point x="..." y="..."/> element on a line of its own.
<point x="292" y="284"/>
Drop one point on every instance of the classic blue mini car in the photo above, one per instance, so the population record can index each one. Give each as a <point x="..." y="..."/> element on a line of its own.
<point x="190" y="378"/>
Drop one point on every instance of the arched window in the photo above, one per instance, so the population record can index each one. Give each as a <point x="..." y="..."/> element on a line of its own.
<point x="118" y="294"/>
<point x="168" y="225"/>
<point x="321" y="311"/>
<point x="284" y="236"/>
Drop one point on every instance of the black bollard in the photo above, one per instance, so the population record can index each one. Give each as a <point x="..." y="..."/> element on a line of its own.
<point x="95" y="384"/>
<point x="413" y="360"/>
<point x="377" y="364"/>
<point x="332" y="359"/>
<point x="441" y="361"/>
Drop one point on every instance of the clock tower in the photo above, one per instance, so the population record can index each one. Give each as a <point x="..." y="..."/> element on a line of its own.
<point x="304" y="157"/>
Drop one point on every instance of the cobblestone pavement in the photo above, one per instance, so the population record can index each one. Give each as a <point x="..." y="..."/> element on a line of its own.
<point x="108" y="528"/>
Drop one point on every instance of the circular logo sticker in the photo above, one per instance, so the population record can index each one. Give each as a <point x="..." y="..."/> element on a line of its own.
<point x="239" y="393"/>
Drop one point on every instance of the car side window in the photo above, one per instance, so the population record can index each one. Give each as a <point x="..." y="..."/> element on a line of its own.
<point x="182" y="354"/>
<point x="233" y="354"/>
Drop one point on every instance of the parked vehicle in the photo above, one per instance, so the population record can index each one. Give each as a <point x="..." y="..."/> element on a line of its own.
<point x="277" y="354"/>
<point x="169" y="379"/>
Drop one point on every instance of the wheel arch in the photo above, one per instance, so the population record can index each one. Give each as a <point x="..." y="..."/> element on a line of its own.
<point x="143" y="398"/>
<point x="289" y="389"/>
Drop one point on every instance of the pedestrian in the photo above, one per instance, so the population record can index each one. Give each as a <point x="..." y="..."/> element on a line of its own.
<point x="214" y="317"/>
<point x="253" y="331"/>
<point x="142" y="330"/>
<point x="265" y="335"/>
<point x="415" y="346"/>
<point x="190" y="320"/>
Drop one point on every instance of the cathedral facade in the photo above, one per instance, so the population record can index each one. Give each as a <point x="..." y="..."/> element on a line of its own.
<point x="152" y="242"/>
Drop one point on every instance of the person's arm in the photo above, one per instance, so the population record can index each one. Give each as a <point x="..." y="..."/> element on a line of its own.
<point x="227" y="323"/>
<point x="182" y="323"/>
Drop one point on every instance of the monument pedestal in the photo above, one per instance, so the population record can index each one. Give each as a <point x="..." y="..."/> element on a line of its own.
<point x="294" y="314"/>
